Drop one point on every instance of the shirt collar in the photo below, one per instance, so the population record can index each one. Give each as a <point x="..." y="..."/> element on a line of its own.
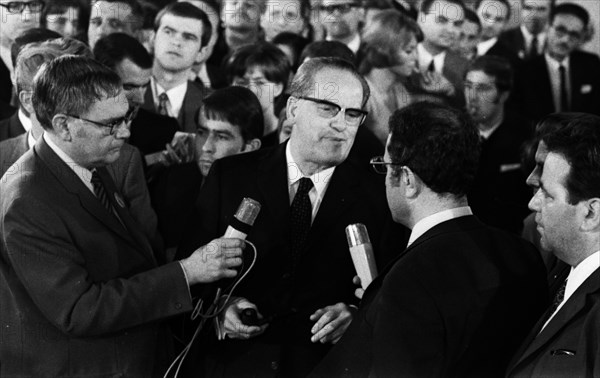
<point x="320" y="179"/>
<point x="485" y="134"/>
<point x="176" y="95"/>
<point x="484" y="47"/>
<point x="425" y="59"/>
<point x="25" y="121"/>
<point x="84" y="174"/>
<point x="353" y="45"/>
<point x="541" y="37"/>
<point x="581" y="272"/>
<point x="555" y="64"/>
<point x="431" y="221"/>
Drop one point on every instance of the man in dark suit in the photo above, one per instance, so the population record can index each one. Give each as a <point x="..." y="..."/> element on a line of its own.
<point x="528" y="40"/>
<point x="82" y="293"/>
<point x="452" y="304"/>
<point x="494" y="15"/>
<point x="566" y="340"/>
<point x="310" y="191"/>
<point x="499" y="194"/>
<point x="182" y="34"/>
<point x="563" y="79"/>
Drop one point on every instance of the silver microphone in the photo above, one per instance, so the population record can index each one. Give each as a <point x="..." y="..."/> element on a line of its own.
<point x="243" y="220"/>
<point x="361" y="251"/>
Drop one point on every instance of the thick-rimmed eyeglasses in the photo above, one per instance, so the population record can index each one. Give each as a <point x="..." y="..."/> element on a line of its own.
<point x="328" y="109"/>
<point x="19" y="6"/>
<point x="380" y="166"/>
<point x="341" y="8"/>
<point x="113" y="125"/>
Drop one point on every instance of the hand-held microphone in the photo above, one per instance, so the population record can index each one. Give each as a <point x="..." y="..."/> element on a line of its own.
<point x="243" y="220"/>
<point x="361" y="251"/>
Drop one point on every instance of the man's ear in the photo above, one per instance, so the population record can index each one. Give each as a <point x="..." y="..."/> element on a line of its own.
<point x="291" y="109"/>
<point x="591" y="210"/>
<point x="412" y="183"/>
<point x="252" y="145"/>
<point x="61" y="127"/>
<point x="202" y="55"/>
<point x="277" y="90"/>
<point x="25" y="101"/>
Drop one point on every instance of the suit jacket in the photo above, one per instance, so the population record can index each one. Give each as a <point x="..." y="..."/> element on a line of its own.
<point x="569" y="346"/>
<point x="535" y="91"/>
<point x="6" y="110"/>
<point x="499" y="195"/>
<point x="81" y="292"/>
<point x="515" y="41"/>
<point x="11" y="127"/>
<point x="456" y="303"/>
<point x="150" y="131"/>
<point x="324" y="272"/>
<point x="191" y="103"/>
<point x="5" y="83"/>
<point x="500" y="49"/>
<point x="10" y="151"/>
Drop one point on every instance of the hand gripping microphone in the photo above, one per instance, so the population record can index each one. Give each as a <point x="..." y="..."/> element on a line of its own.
<point x="243" y="220"/>
<point x="361" y="251"/>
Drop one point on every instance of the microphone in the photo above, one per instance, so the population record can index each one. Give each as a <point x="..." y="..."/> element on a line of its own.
<point x="361" y="251"/>
<point x="243" y="220"/>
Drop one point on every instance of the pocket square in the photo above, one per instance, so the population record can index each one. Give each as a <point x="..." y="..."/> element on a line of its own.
<point x="586" y="88"/>
<point x="563" y="352"/>
<point x="509" y="167"/>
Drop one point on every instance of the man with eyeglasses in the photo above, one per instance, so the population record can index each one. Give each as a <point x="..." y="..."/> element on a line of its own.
<point x="564" y="78"/>
<point x="82" y="290"/>
<point x="461" y="297"/>
<point x="310" y="190"/>
<point x="342" y="20"/>
<point x="16" y="17"/>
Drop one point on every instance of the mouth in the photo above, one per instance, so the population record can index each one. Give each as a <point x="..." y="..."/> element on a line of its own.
<point x="173" y="53"/>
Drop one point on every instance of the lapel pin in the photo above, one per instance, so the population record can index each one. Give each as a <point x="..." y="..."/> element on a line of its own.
<point x="119" y="200"/>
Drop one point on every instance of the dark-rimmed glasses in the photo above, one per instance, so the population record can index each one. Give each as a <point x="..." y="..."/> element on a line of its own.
<point x="341" y="8"/>
<point x="113" y="125"/>
<point x="328" y="109"/>
<point x="19" y="6"/>
<point x="380" y="166"/>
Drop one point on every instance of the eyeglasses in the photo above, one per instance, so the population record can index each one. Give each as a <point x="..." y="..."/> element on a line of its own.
<point x="19" y="6"/>
<point x="341" y="8"/>
<point x="380" y="166"/>
<point x="328" y="109"/>
<point x="561" y="31"/>
<point x="113" y="125"/>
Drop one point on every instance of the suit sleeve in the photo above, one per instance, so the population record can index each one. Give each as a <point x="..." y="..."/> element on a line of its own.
<point x="38" y="247"/>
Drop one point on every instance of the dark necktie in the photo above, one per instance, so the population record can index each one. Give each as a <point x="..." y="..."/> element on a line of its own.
<point x="163" y="103"/>
<point x="431" y="67"/>
<point x="533" y="49"/>
<point x="564" y="99"/>
<point x="100" y="191"/>
<point x="300" y="218"/>
<point x="558" y="298"/>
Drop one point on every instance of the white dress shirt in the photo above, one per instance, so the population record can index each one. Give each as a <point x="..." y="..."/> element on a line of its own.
<point x="320" y="182"/>
<point x="553" y="71"/>
<point x="176" y="96"/>
<point x="431" y="221"/>
<point x="541" y="40"/>
<point x="485" y="46"/>
<point x="576" y="278"/>
<point x="425" y="58"/>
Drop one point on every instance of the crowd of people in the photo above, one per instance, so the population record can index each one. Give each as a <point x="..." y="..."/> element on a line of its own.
<point x="131" y="131"/>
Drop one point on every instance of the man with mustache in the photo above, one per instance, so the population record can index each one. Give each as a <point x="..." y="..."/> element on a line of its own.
<point x="564" y="78"/>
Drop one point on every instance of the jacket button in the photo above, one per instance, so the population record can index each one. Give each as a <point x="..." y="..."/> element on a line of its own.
<point x="274" y="365"/>
<point x="178" y="306"/>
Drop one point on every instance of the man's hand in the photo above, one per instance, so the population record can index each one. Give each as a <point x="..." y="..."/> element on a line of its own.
<point x="214" y="261"/>
<point x="232" y="323"/>
<point x="359" y="292"/>
<point x="434" y="82"/>
<point x="331" y="323"/>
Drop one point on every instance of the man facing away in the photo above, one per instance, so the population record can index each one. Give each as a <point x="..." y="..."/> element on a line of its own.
<point x="461" y="297"/>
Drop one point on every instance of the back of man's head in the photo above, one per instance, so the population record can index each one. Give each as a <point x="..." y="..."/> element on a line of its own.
<point x="332" y="49"/>
<point x="71" y="85"/>
<point x="575" y="136"/>
<point x="304" y="82"/>
<point x="30" y="36"/>
<point x="33" y="55"/>
<point x="114" y="48"/>
<point x="438" y="143"/>
<point x="237" y="106"/>
<point x="187" y="10"/>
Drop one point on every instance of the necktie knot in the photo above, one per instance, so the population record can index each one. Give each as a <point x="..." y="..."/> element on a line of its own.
<point x="305" y="186"/>
<point x="163" y="103"/>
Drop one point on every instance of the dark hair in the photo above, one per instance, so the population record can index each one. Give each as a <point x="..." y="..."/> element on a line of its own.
<point x="114" y="48"/>
<point x="33" y="55"/>
<point x="471" y="16"/>
<point x="505" y="2"/>
<point x="267" y="57"/>
<point x="305" y="79"/>
<point x="30" y="36"/>
<point x="295" y="42"/>
<point x="237" y="106"/>
<point x="70" y="85"/>
<point x="187" y="10"/>
<point x="388" y="32"/>
<point x="377" y="4"/>
<point x="426" y="4"/>
<point x="576" y="136"/>
<point x="573" y="10"/>
<point x="496" y="66"/>
<point x="324" y="49"/>
<point x="137" y="12"/>
<point x="437" y="142"/>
